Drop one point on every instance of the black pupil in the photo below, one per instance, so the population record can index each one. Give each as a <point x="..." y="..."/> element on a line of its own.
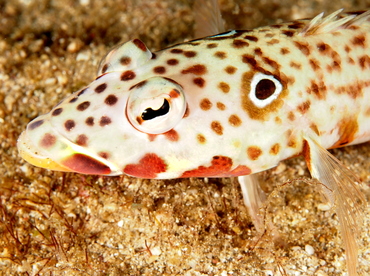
<point x="149" y="113"/>
<point x="264" y="89"/>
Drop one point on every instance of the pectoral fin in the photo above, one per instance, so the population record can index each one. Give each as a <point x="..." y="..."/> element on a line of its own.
<point x="342" y="188"/>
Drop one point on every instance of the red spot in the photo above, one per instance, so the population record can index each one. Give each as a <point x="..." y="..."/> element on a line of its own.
<point x="148" y="167"/>
<point x="220" y="167"/>
<point x="84" y="164"/>
<point x="172" y="135"/>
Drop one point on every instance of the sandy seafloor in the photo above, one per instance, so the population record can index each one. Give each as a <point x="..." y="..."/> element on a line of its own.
<point x="54" y="223"/>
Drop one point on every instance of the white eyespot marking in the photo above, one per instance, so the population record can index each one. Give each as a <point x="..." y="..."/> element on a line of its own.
<point x="155" y="105"/>
<point x="264" y="89"/>
<point x="226" y="34"/>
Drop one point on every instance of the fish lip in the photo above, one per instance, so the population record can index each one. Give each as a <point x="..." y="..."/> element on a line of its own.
<point x="32" y="155"/>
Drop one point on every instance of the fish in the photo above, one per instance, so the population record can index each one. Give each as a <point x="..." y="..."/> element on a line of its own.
<point x="226" y="105"/>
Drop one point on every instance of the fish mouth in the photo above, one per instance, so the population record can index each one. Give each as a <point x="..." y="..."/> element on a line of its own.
<point x="33" y="155"/>
<point x="72" y="159"/>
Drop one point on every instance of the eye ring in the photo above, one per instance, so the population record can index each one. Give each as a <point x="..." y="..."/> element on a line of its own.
<point x="155" y="105"/>
<point x="264" y="89"/>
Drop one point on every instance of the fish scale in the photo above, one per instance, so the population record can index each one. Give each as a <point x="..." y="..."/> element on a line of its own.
<point x="231" y="104"/>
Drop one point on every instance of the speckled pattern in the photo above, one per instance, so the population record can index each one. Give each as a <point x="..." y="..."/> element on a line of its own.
<point x="56" y="223"/>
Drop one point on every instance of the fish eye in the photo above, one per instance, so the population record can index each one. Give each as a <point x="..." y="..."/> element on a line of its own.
<point x="155" y="105"/>
<point x="264" y="89"/>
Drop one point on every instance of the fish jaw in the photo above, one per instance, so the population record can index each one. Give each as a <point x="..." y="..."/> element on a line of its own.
<point x="33" y="156"/>
<point x="70" y="157"/>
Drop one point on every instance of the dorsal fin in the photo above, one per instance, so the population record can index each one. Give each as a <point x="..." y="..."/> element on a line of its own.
<point x="333" y="22"/>
<point x="208" y="19"/>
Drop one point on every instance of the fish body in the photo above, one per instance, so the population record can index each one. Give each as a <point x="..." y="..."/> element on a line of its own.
<point x="249" y="100"/>
<point x="231" y="104"/>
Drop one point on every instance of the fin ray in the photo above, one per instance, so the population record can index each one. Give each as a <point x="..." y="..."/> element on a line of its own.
<point x="342" y="188"/>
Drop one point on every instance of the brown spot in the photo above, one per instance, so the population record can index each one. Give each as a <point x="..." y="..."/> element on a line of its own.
<point x="48" y="140"/>
<point x="172" y="135"/>
<point x="220" y="55"/>
<point x="176" y="51"/>
<point x="249" y="59"/>
<point x="364" y="62"/>
<point x="315" y="129"/>
<point x="104" y="120"/>
<point x="295" y="65"/>
<point x="230" y="69"/>
<point x="89" y="121"/>
<point x="275" y="149"/>
<point x="258" y="51"/>
<point x="190" y="54"/>
<point x="73" y="100"/>
<point x="347" y="49"/>
<point x="201" y="139"/>
<point x="100" y="88"/>
<point x="111" y="100"/>
<point x="212" y="45"/>
<point x="139" y="44"/>
<point x="81" y="92"/>
<point x="82" y="140"/>
<point x="224" y="87"/>
<point x="273" y="41"/>
<point x="315" y="64"/>
<point x="288" y="33"/>
<point x="336" y="65"/>
<point x="303" y="47"/>
<point x="159" y="70"/>
<point x="57" y="111"/>
<point x="128" y="75"/>
<point x="104" y="68"/>
<point x="199" y="82"/>
<point x="125" y="60"/>
<point x="251" y="38"/>
<point x="197" y="69"/>
<point x="234" y="120"/>
<point x="318" y="89"/>
<point x="238" y="43"/>
<point x="276" y="26"/>
<point x="359" y="41"/>
<point x="138" y="85"/>
<point x="323" y="48"/>
<point x="296" y="25"/>
<point x="217" y="127"/>
<point x="69" y="125"/>
<point x="304" y="107"/>
<point x="172" y="61"/>
<point x="83" y="106"/>
<point x="292" y="143"/>
<point x="271" y="62"/>
<point x="350" y="61"/>
<point x="220" y="106"/>
<point x="347" y="130"/>
<point x="104" y="154"/>
<point x="254" y="152"/>
<point x="284" y="51"/>
<point x="291" y="116"/>
<point x="205" y="104"/>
